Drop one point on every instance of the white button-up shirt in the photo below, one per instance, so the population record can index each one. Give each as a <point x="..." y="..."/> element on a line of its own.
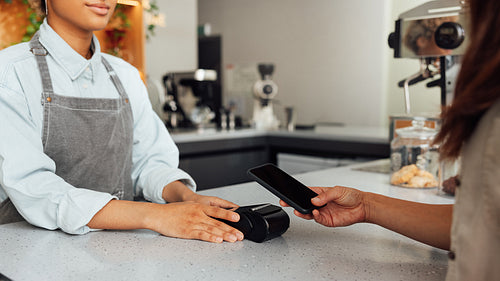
<point x="27" y="174"/>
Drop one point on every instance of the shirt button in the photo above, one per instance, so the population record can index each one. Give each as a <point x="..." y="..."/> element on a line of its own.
<point x="85" y="86"/>
<point x="451" y="255"/>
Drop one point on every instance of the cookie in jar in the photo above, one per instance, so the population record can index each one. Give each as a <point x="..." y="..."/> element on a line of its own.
<point x="414" y="157"/>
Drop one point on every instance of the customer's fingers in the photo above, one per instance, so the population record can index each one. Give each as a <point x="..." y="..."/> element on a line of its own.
<point x="331" y="195"/>
<point x="284" y="204"/>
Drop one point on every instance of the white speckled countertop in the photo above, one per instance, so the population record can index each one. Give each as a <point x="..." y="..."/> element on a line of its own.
<point x="307" y="251"/>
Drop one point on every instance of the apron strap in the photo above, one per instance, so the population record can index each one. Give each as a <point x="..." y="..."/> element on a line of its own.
<point x="114" y="78"/>
<point x="40" y="52"/>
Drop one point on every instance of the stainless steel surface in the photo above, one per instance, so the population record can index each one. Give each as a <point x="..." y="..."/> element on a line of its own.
<point x="198" y="75"/>
<point x="290" y="117"/>
<point x="422" y="21"/>
<point x="415" y="35"/>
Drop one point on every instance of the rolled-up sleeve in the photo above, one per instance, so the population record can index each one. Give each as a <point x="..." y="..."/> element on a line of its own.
<point x="155" y="155"/>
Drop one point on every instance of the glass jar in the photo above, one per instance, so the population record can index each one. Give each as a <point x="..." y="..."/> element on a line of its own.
<point x="414" y="159"/>
<point x="449" y="177"/>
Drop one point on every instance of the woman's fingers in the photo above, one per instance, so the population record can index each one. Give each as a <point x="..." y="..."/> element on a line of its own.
<point x="190" y="220"/>
<point x="217" y="227"/>
<point x="217" y="233"/>
<point x="206" y="236"/>
<point x="212" y="201"/>
<point x="215" y="201"/>
<point x="221" y="213"/>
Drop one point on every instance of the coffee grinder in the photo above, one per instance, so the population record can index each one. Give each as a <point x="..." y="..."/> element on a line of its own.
<point x="264" y="91"/>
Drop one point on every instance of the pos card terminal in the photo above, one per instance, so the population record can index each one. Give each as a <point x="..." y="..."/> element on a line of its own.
<point x="261" y="222"/>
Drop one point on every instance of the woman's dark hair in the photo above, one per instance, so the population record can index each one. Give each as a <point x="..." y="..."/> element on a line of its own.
<point x="38" y="6"/>
<point x="478" y="83"/>
<point x="43" y="7"/>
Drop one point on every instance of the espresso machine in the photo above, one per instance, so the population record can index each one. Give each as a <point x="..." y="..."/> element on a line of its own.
<point x="191" y="99"/>
<point x="434" y="33"/>
<point x="264" y="91"/>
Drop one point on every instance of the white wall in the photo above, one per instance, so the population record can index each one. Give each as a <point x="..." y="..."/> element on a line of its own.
<point x="328" y="53"/>
<point x="332" y="59"/>
<point x="174" y="48"/>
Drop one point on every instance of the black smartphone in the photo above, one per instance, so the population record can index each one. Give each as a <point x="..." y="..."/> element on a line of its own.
<point x="286" y="187"/>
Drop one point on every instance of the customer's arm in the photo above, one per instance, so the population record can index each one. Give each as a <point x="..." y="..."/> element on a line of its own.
<point x="427" y="223"/>
<point x="430" y="224"/>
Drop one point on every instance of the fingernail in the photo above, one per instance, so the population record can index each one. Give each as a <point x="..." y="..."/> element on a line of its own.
<point x="218" y="240"/>
<point x="315" y="199"/>
<point x="236" y="217"/>
<point x="232" y="238"/>
<point x="240" y="235"/>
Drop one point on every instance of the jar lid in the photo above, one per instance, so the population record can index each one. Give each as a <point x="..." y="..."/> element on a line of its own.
<point x="417" y="130"/>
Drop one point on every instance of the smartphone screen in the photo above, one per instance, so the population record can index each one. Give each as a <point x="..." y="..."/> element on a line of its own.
<point x="287" y="188"/>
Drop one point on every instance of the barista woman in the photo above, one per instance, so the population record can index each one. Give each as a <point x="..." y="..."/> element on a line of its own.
<point x="471" y="129"/>
<point x="79" y="139"/>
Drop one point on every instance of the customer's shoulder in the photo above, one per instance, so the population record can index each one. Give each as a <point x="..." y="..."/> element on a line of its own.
<point x="488" y="131"/>
<point x="495" y="109"/>
<point x="491" y="118"/>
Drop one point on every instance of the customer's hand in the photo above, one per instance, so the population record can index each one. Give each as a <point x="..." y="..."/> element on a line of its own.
<point x="191" y="220"/>
<point x="344" y="206"/>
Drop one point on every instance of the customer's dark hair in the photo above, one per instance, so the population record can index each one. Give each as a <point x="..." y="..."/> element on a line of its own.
<point x="478" y="84"/>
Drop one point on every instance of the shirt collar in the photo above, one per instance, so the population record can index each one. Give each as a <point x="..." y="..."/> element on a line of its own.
<point x="69" y="60"/>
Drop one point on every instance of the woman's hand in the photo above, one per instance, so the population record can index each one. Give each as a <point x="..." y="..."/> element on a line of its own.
<point x="192" y="216"/>
<point x="178" y="192"/>
<point x="344" y="206"/>
<point x="191" y="220"/>
<point x="210" y="201"/>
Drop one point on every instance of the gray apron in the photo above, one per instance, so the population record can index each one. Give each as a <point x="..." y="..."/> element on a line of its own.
<point x="90" y="140"/>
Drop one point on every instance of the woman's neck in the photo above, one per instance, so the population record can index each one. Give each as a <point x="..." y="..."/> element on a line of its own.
<point x="79" y="40"/>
